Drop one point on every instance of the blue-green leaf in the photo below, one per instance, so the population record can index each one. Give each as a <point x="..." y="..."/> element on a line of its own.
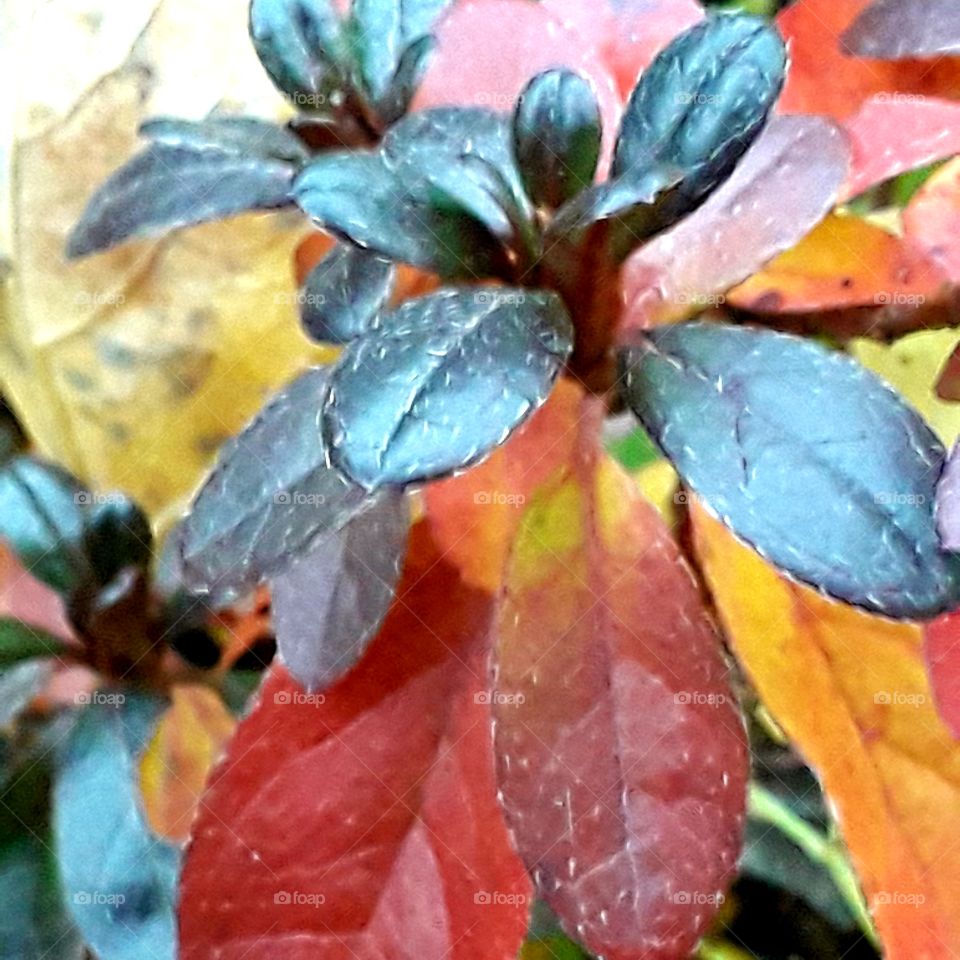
<point x="270" y="495"/>
<point x="808" y="457"/>
<point x="165" y="187"/>
<point x="438" y="383"/>
<point x="244" y="136"/>
<point x="556" y="136"/>
<point x="22" y="641"/>
<point x="344" y="292"/>
<point x="119" y="880"/>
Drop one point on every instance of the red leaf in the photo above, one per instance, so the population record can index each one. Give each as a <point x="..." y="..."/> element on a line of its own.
<point x="941" y="650"/>
<point x="363" y="824"/>
<point x="932" y="219"/>
<point x="621" y="756"/>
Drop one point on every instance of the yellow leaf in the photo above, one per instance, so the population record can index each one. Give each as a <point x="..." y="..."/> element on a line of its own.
<point x="132" y="367"/>
<point x="851" y="691"/>
<point x="173" y="771"/>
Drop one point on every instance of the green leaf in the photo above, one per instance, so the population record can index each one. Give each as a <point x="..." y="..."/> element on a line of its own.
<point x="244" y="136"/>
<point x="434" y="194"/>
<point x="42" y="512"/>
<point x="166" y="187"/>
<point x="805" y="455"/>
<point x="556" y="136"/>
<point x="344" y="293"/>
<point x="21" y="641"/>
<point x="117" y="535"/>
<point x="454" y="373"/>
<point x="302" y="46"/>
<point x="119" y="880"/>
<point x="270" y="495"/>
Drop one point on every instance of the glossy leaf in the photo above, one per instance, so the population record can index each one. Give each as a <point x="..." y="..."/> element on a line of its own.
<point x="805" y="455"/>
<point x="41" y="518"/>
<point x="118" y="879"/>
<point x="165" y="187"/>
<point x="602" y="639"/>
<point x="190" y="737"/>
<point x="271" y="494"/>
<point x="117" y="534"/>
<point x="330" y="603"/>
<point x="344" y="293"/>
<point x="849" y="691"/>
<point x="425" y="197"/>
<point x="439" y="362"/>
<point x="244" y="136"/>
<point x="702" y="102"/>
<point x="22" y="641"/>
<point x="901" y="29"/>
<point x="556" y="136"/>
<point x="397" y="848"/>
<point x="301" y="45"/>
<point x="784" y="186"/>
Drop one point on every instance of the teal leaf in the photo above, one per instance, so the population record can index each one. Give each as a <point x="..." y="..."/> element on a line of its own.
<point x="119" y="880"/>
<point x="556" y="136"/>
<point x="344" y="292"/>
<point x="455" y="373"/>
<point x="270" y="495"/>
<point x="243" y="136"/>
<point x="166" y="187"/>
<point x="22" y="641"/>
<point x="329" y="605"/>
<point x="805" y="455"/>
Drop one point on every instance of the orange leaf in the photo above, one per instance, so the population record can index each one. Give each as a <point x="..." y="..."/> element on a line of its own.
<point x="844" y="262"/>
<point x="188" y="740"/>
<point x="851" y="692"/>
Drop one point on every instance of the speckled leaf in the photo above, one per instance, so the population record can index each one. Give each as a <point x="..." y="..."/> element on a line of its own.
<point x="330" y="603"/>
<point x="271" y="493"/>
<point x="245" y="136"/>
<point x="621" y="756"/>
<point x="702" y="102"/>
<point x="455" y="373"/>
<point x="165" y="187"/>
<point x="948" y="501"/>
<point x="344" y="292"/>
<point x="41" y="519"/>
<point x="806" y="455"/>
<point x="556" y="136"/>
<point x="904" y="29"/>
<point x="300" y="44"/>
<point x="119" y="881"/>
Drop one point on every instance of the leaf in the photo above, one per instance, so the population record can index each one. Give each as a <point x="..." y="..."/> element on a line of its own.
<point x="932" y="218"/>
<point x="797" y="164"/>
<point x="131" y="368"/>
<point x="947" y="503"/>
<point x="849" y="690"/>
<point x="399" y="848"/>
<point x="330" y="603"/>
<point x="164" y="187"/>
<point x="621" y="756"/>
<point x="301" y="46"/>
<point x="940" y="651"/>
<point x="244" y="136"/>
<point x="702" y="102"/>
<point x="437" y="361"/>
<point x="188" y="740"/>
<point x="843" y="262"/>
<point x="117" y="534"/>
<point x="21" y="641"/>
<point x="902" y="29"/>
<point x="271" y="494"/>
<point x="808" y="457"/>
<point x="344" y="292"/>
<point x="417" y="199"/>
<point x="556" y="136"/>
<point x="41" y="518"/>
<point x="119" y="881"/>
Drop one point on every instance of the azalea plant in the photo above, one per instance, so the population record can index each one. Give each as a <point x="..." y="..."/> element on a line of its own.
<point x="502" y="716"/>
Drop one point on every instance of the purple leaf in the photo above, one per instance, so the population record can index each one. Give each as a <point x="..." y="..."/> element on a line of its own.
<point x="948" y="502"/>
<point x="903" y="29"/>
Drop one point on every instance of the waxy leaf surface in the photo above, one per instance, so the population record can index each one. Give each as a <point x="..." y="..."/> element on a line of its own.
<point x="363" y="822"/>
<point x="806" y="455"/>
<point x="620" y="752"/>
<point x="330" y="603"/>
<point x="849" y="689"/>
<point x="271" y="493"/>
<point x="455" y="373"/>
